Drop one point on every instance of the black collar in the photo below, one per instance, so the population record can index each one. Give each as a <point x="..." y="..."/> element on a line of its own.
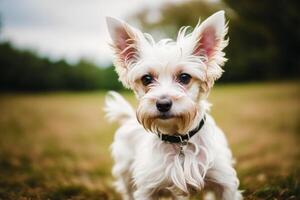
<point x="182" y="138"/>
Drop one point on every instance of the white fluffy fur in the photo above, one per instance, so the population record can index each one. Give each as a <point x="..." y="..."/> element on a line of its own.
<point x="145" y="165"/>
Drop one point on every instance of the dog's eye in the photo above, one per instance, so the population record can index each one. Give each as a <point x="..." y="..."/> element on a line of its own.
<point x="147" y="79"/>
<point x="184" y="78"/>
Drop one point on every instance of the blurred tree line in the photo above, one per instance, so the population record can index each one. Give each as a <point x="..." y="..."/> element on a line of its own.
<point x="264" y="45"/>
<point x="264" y="35"/>
<point x="23" y="70"/>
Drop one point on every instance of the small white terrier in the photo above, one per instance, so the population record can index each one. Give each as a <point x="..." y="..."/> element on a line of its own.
<point x="170" y="143"/>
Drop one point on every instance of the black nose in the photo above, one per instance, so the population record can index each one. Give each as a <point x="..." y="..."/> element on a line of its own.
<point x="163" y="105"/>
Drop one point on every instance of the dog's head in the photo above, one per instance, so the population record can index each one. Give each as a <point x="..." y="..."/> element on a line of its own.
<point x="169" y="77"/>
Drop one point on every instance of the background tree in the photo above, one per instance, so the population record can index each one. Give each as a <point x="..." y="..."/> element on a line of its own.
<point x="264" y="35"/>
<point x="264" y="45"/>
<point x="25" y="71"/>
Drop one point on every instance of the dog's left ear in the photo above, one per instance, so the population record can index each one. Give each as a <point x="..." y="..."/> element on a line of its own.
<point x="209" y="41"/>
<point x="126" y="45"/>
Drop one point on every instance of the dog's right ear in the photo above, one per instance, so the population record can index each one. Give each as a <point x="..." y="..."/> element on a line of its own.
<point x="126" y="46"/>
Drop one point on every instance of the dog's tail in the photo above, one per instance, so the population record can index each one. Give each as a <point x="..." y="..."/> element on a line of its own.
<point x="117" y="108"/>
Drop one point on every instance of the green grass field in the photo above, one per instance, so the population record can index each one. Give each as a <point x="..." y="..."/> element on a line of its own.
<point x="56" y="145"/>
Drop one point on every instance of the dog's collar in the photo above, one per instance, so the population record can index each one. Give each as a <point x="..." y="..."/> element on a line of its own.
<point x="182" y="139"/>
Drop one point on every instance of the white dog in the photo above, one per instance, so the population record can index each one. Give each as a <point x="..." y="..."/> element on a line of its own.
<point x="170" y="143"/>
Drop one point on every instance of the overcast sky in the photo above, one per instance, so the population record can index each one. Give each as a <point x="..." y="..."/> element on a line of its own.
<point x="68" y="29"/>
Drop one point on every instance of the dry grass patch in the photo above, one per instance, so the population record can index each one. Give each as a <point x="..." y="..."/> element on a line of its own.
<point x="56" y="145"/>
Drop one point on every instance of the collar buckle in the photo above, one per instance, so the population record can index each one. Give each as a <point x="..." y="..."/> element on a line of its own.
<point x="183" y="142"/>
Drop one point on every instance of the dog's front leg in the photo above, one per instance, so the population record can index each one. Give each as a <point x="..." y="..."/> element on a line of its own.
<point x="224" y="180"/>
<point x="143" y="193"/>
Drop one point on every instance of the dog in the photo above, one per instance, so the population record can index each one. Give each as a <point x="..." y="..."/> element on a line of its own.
<point x="170" y="144"/>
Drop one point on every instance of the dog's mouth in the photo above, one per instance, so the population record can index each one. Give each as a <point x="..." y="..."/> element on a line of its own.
<point x="165" y="116"/>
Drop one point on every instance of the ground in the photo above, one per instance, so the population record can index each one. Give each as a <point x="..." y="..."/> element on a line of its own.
<point x="56" y="145"/>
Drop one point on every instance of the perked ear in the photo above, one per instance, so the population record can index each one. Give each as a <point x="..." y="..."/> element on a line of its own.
<point x="209" y="40"/>
<point x="126" y="41"/>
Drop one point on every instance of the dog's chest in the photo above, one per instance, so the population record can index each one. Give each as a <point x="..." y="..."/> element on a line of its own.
<point x="183" y="170"/>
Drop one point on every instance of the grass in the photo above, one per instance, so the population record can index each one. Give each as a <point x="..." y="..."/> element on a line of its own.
<point x="56" y="145"/>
